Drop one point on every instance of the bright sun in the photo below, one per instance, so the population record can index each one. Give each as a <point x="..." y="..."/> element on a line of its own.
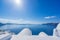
<point x="18" y="2"/>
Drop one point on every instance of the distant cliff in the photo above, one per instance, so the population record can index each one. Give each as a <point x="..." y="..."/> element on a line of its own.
<point x="1" y="24"/>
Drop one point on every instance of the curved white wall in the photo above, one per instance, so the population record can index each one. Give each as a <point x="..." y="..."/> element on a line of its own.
<point x="25" y="31"/>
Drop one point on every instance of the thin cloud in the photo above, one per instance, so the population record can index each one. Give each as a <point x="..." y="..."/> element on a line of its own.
<point x="18" y="21"/>
<point x="50" y="17"/>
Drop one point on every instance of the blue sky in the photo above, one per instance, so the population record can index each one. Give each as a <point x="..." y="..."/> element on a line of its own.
<point x="30" y="10"/>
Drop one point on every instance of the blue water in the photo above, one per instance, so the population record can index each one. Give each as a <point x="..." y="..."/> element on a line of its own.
<point x="35" y="28"/>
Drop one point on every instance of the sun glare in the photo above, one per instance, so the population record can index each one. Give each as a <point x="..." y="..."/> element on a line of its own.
<point x="18" y="2"/>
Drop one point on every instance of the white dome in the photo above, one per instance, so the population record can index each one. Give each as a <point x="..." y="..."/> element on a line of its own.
<point x="58" y="27"/>
<point x="25" y="31"/>
<point x="57" y="31"/>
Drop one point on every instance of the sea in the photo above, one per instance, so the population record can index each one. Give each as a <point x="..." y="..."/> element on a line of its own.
<point x="35" y="28"/>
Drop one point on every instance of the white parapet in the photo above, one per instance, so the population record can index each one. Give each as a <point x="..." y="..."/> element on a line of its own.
<point x="26" y="34"/>
<point x="5" y="36"/>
